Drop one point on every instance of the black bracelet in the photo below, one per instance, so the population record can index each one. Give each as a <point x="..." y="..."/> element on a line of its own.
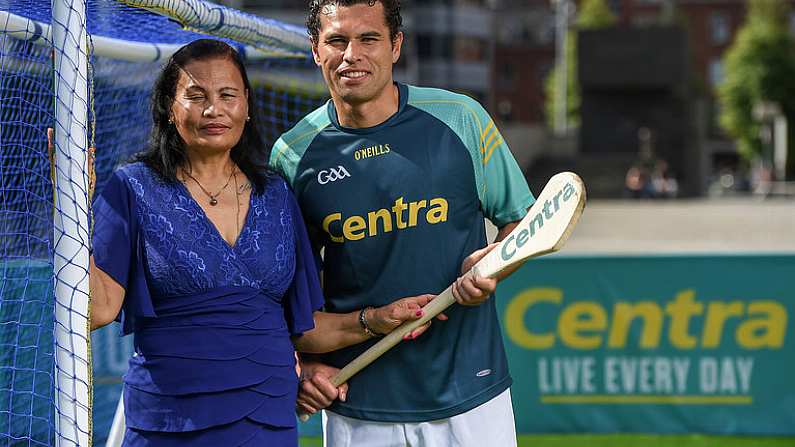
<point x="366" y="327"/>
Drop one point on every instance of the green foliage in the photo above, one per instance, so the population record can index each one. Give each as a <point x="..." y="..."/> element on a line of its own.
<point x="759" y="66"/>
<point x="572" y="86"/>
<point x="593" y="14"/>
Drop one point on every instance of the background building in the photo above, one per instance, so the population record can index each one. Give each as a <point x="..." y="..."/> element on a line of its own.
<point x="455" y="41"/>
<point x="525" y="54"/>
<point x="502" y="51"/>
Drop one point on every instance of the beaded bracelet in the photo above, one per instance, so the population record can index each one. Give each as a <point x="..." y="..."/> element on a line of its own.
<point x="366" y="327"/>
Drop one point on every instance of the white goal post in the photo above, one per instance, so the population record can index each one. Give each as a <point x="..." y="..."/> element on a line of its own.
<point x="23" y="28"/>
<point x="71" y="226"/>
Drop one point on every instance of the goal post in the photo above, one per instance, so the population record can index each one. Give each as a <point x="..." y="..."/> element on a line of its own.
<point x="85" y="69"/>
<point x="40" y="33"/>
<point x="70" y="224"/>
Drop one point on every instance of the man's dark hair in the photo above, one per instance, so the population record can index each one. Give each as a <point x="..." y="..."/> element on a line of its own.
<point x="391" y="15"/>
<point x="165" y="152"/>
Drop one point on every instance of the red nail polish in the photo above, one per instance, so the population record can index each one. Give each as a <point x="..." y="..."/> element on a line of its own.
<point x="419" y="313"/>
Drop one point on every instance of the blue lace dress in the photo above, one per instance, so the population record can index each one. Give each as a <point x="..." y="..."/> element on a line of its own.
<point x="213" y="364"/>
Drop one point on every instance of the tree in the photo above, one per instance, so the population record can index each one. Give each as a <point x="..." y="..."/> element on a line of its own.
<point x="759" y="66"/>
<point x="593" y="14"/>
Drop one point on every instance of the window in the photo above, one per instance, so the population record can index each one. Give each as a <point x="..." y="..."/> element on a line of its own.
<point x="506" y="75"/>
<point x="544" y="70"/>
<point x="645" y="20"/>
<point x="434" y="46"/>
<point x="615" y="7"/>
<point x="505" y="110"/>
<point x="545" y="32"/>
<point x="470" y="49"/>
<point x="424" y="45"/>
<point x="715" y="73"/>
<point x="719" y="31"/>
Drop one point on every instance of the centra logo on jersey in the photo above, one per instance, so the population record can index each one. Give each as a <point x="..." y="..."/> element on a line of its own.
<point x="332" y="174"/>
<point x="403" y="215"/>
<point x="372" y="151"/>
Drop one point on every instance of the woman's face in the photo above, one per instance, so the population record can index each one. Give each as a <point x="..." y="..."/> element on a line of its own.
<point x="210" y="105"/>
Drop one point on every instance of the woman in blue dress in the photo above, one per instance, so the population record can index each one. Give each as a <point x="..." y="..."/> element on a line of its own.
<point x="202" y="253"/>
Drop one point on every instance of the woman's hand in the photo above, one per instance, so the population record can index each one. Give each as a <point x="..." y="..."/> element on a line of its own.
<point x="336" y="331"/>
<point x="385" y="319"/>
<point x="315" y="390"/>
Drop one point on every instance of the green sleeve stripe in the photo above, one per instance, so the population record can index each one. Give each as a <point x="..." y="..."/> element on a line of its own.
<point x="487" y="134"/>
<point x="501" y="186"/>
<point x="449" y="108"/>
<point x="486" y="130"/>
<point x="490" y="150"/>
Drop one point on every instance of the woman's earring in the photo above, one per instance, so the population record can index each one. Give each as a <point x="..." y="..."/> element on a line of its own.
<point x="248" y="118"/>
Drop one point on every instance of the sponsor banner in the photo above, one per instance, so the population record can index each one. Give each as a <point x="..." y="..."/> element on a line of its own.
<point x="674" y="344"/>
<point x="679" y="344"/>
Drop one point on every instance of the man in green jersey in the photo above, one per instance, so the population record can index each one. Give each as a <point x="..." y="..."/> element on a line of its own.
<point x="394" y="181"/>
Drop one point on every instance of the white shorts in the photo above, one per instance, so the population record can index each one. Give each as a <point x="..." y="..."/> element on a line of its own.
<point x="491" y="424"/>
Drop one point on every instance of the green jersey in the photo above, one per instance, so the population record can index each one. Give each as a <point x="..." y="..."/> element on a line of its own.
<point x="398" y="207"/>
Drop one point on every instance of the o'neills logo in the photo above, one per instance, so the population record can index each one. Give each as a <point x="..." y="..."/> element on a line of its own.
<point x="332" y="174"/>
<point x="400" y="216"/>
<point x="372" y="151"/>
<point x="549" y="210"/>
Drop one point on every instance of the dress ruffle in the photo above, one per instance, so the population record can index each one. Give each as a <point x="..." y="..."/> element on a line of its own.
<point x="305" y="294"/>
<point x="270" y="402"/>
<point x="245" y="433"/>
<point x="233" y="351"/>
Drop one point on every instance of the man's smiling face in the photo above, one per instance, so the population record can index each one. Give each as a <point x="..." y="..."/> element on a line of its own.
<point x="355" y="52"/>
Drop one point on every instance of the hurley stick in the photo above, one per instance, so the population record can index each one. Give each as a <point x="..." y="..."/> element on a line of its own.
<point x="545" y="229"/>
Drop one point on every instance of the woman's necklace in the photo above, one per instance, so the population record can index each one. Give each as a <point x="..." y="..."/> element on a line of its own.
<point x="213" y="200"/>
<point x="237" y="216"/>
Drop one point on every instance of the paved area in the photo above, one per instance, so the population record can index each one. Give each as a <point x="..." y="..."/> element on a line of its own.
<point x="685" y="226"/>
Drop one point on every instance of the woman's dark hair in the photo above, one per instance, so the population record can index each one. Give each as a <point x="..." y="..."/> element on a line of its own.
<point x="166" y="149"/>
<point x="391" y="15"/>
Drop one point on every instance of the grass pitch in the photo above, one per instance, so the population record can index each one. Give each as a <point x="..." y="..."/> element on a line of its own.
<point x="627" y="440"/>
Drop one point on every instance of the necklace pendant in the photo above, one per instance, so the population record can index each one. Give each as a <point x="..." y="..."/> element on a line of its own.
<point x="213" y="202"/>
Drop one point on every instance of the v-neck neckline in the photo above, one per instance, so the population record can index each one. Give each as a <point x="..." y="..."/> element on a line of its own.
<point x="210" y="222"/>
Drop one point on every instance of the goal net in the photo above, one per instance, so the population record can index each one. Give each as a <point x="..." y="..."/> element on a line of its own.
<point x="86" y="70"/>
